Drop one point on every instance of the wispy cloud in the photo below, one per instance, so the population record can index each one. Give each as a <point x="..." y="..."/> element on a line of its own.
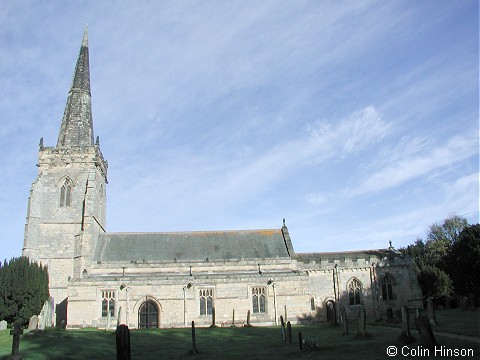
<point x="401" y="169"/>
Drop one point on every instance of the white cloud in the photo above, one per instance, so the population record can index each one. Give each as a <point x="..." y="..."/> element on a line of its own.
<point x="400" y="170"/>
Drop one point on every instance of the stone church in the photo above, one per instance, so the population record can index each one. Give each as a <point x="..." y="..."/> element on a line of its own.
<point x="168" y="279"/>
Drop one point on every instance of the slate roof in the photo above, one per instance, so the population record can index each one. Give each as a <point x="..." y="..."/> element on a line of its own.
<point x="358" y="254"/>
<point x="196" y="246"/>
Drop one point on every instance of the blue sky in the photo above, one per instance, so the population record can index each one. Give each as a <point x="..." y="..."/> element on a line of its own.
<point x="356" y="121"/>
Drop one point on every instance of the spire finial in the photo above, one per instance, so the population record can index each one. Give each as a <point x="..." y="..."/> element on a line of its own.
<point x="85" y="37"/>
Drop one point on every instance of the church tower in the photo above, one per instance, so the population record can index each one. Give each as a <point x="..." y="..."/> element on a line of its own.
<point x="66" y="206"/>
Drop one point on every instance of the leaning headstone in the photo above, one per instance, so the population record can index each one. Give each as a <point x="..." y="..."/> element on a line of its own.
<point x="3" y="325"/>
<point x="16" y="332"/>
<point x="406" y="334"/>
<point x="119" y="321"/>
<point x="362" y="321"/>
<point x="431" y="312"/>
<point x="344" y="320"/>
<point x="122" y="336"/>
<point x="289" y="332"/>
<point x="33" y="323"/>
<point x="389" y="314"/>
<point x="426" y="334"/>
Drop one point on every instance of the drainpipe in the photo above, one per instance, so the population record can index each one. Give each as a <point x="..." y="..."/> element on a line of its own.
<point x="127" y="299"/>
<point x="185" y="288"/>
<point x="270" y="282"/>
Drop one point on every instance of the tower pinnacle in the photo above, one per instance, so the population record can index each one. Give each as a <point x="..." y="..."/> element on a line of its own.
<point x="77" y="124"/>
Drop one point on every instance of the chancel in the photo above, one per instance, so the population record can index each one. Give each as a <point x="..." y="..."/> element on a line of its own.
<point x="167" y="279"/>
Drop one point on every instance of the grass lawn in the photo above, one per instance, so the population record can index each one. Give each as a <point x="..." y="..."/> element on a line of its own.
<point x="453" y="321"/>
<point x="228" y="343"/>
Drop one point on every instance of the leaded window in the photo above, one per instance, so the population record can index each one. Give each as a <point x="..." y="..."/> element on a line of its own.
<point x="354" y="292"/>
<point x="206" y="301"/>
<point x="66" y="193"/>
<point x="258" y="299"/>
<point x="387" y="287"/>
<point x="108" y="303"/>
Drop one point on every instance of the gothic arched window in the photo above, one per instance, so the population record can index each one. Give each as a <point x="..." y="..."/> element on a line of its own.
<point x="66" y="193"/>
<point x="258" y="300"/>
<point x="108" y="303"/>
<point x="387" y="287"/>
<point x="354" y="292"/>
<point x="206" y="301"/>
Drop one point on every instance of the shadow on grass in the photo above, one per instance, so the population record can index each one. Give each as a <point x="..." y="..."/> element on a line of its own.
<point x="213" y="343"/>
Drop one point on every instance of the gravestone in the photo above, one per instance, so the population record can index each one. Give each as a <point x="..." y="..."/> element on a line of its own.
<point x="194" y="339"/>
<point x="389" y="314"/>
<point x="3" y="325"/>
<point x="122" y="336"/>
<point x="233" y="317"/>
<point x="471" y="301"/>
<point x="119" y="321"/>
<point x="344" y="320"/>
<point x="300" y="341"/>
<point x="406" y="334"/>
<point x="463" y="302"/>
<point x="33" y="323"/>
<point x="248" y="318"/>
<point x="431" y="312"/>
<point x="362" y="321"/>
<point x="427" y="338"/>
<point x="16" y="332"/>
<point x="289" y="332"/>
<point x="213" y="317"/>
<point x="282" y="325"/>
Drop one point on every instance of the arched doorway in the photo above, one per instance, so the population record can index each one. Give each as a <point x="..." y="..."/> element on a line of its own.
<point x="331" y="313"/>
<point x="148" y="315"/>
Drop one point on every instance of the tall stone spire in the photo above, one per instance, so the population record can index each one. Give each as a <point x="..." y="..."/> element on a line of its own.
<point x="77" y="125"/>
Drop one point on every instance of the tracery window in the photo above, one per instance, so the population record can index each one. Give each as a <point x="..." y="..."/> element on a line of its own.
<point x="258" y="300"/>
<point x="387" y="287"/>
<point x="354" y="292"/>
<point x="108" y="303"/>
<point x="66" y="193"/>
<point x="206" y="301"/>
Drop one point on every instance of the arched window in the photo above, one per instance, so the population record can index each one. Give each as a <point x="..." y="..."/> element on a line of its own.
<point x="108" y="303"/>
<point x="354" y="292"/>
<point x="66" y="193"/>
<point x="258" y="300"/>
<point x="387" y="287"/>
<point x="206" y="301"/>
